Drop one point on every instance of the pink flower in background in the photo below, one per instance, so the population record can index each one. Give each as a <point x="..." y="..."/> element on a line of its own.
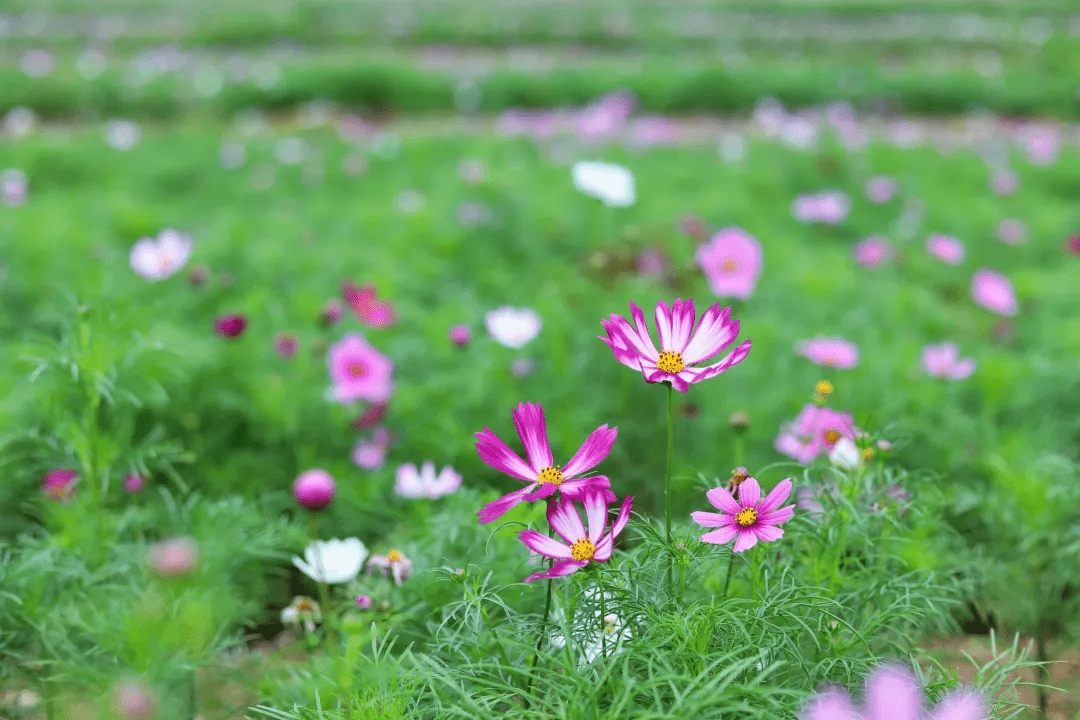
<point x="653" y="130"/>
<point x="1041" y="144"/>
<point x="13" y="187"/>
<point x="945" y="248"/>
<point x="830" y="207"/>
<point x="520" y="367"/>
<point x="370" y="454"/>
<point x="133" y="700"/>
<point x="359" y="371"/>
<point x="579" y="548"/>
<point x="943" y="361"/>
<point x="173" y="557"/>
<point x="399" y="566"/>
<point x="460" y="335"/>
<point x="363" y="602"/>
<point x="693" y="226"/>
<point x="471" y="171"/>
<point x="604" y="116"/>
<point x="286" y="345"/>
<point x="314" y="489"/>
<point x="1011" y="231"/>
<point x="994" y="292"/>
<point x="59" y="484"/>
<point x="731" y="262"/>
<point x="122" y="135"/>
<point x="331" y="313"/>
<point x="230" y="327"/>
<point x="157" y="259"/>
<point x="829" y="352"/>
<point x="36" y="63"/>
<point x="652" y="262"/>
<point x="748" y="519"/>
<point x="1004" y="182"/>
<point x="814" y="431"/>
<point x="542" y="477"/>
<point x="1072" y="245"/>
<point x="365" y="302"/>
<point x="372" y="416"/>
<point x="133" y="483"/>
<point x="424" y="483"/>
<point x="893" y="693"/>
<point x="682" y="345"/>
<point x="873" y="252"/>
<point x="880" y="189"/>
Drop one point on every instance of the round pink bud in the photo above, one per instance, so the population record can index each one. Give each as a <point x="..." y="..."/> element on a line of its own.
<point x="460" y="335"/>
<point x="134" y="482"/>
<point x="363" y="602"/>
<point x="286" y="345"/>
<point x="59" y="484"/>
<point x="231" y="326"/>
<point x="131" y="700"/>
<point x="174" y="557"/>
<point x="314" y="489"/>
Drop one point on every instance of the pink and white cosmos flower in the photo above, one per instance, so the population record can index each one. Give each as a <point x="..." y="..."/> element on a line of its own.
<point x="580" y="547"/>
<point x="943" y="361"/>
<point x="359" y="371"/>
<point x="542" y="477"/>
<point x="682" y="346"/>
<point x="831" y="352"/>
<point x="748" y="519"/>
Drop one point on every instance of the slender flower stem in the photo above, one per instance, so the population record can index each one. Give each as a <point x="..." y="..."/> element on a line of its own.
<point x="727" y="580"/>
<point x="667" y="486"/>
<point x="603" y="615"/>
<point x="543" y="625"/>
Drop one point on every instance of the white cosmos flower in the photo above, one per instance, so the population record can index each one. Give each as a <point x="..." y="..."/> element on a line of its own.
<point x="845" y="455"/>
<point x="611" y="184"/>
<point x="591" y="638"/>
<point x="158" y="259"/>
<point x="332" y="561"/>
<point x="513" y="327"/>
<point x="424" y="483"/>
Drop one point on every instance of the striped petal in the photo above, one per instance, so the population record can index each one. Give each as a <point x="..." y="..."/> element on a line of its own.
<point x="495" y="453"/>
<point x="532" y="429"/>
<point x="563" y="517"/>
<point x="559" y="569"/>
<point x="540" y="543"/>
<point x="595" y="448"/>
<point x="714" y="333"/>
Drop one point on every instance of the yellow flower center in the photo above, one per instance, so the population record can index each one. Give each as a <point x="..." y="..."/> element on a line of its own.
<point x="747" y="517"/>
<point x="831" y="436"/>
<point x="583" y="549"/>
<point x="551" y="474"/>
<point x="670" y="362"/>
<point x="305" y="604"/>
<point x="867" y="453"/>
<point x="729" y="265"/>
<point x="394" y="556"/>
<point x="824" y="388"/>
<point x="829" y="360"/>
<point x="356" y="370"/>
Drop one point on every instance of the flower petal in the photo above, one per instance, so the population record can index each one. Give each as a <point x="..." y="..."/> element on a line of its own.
<point x="961" y="705"/>
<point x="710" y="519"/>
<point x="663" y="325"/>
<point x="532" y="429"/>
<point x="497" y="508"/>
<point x="746" y="540"/>
<point x="543" y="490"/>
<point x="767" y="533"/>
<point x="776" y="496"/>
<point x="749" y="493"/>
<point x="595" y="448"/>
<point x="495" y="453"/>
<point x="559" y="569"/>
<point x="540" y="543"/>
<point x="563" y="517"/>
<point x="778" y="517"/>
<point x="893" y="693"/>
<point x="623" y="517"/>
<point x="721" y="499"/>
<point x="604" y="547"/>
<point x="721" y="536"/>
<point x="830" y="704"/>
<point x="596" y="513"/>
<point x="576" y="488"/>
<point x="714" y="333"/>
<point x="682" y="324"/>
<point x="733" y="358"/>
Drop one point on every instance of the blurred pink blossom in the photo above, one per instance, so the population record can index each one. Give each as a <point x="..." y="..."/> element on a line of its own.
<point x="59" y="484"/>
<point x="370" y="453"/>
<point x="880" y="189"/>
<point x="814" y="431"/>
<point x="732" y="262"/>
<point x="1011" y="231"/>
<point x="994" y="292"/>
<point x="359" y="371"/>
<point x="13" y="187"/>
<point x="829" y="352"/>
<point x="286" y="345"/>
<point x="945" y="248"/>
<point x="892" y="693"/>
<point x="173" y="557"/>
<point x="460" y="335"/>
<point x="830" y="207"/>
<point x="873" y="252"/>
<point x="1041" y="143"/>
<point x="943" y="361"/>
<point x="1004" y="182"/>
<point x="652" y="262"/>
<point x="134" y="482"/>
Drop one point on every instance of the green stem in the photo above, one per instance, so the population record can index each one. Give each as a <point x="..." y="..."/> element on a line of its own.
<point x="667" y="486"/>
<point x="494" y="633"/>
<point x="543" y="628"/>
<point x="603" y="615"/>
<point x="727" y="580"/>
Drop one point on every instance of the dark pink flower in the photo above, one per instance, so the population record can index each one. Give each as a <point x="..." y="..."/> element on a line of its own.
<point x="369" y="309"/>
<point x="731" y="262"/>
<point x="331" y="313"/>
<point x="314" y="489"/>
<point x="542" y="477"/>
<point x="460" y="335"/>
<point x="230" y="326"/>
<point x="359" y="371"/>
<point x="580" y="547"/>
<point x="59" y="484"/>
<point x="134" y="482"/>
<point x="747" y="520"/>
<point x="363" y="602"/>
<point x="1072" y="245"/>
<point x="994" y="292"/>
<point x="873" y="252"/>
<point x="286" y="345"/>
<point x="371" y="417"/>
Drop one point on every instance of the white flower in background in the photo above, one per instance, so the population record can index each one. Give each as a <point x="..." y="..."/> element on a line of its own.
<point x="590" y="641"/>
<point x="302" y="610"/>
<point x="424" y="483"/>
<point x="611" y="184"/>
<point x="122" y="135"/>
<point x="513" y="327"/>
<point x="158" y="259"/>
<point x="845" y="455"/>
<point x="332" y="561"/>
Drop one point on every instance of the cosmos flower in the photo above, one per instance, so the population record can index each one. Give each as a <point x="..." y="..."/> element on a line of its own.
<point x="173" y="557"/>
<point x="302" y="611"/>
<point x="831" y="352"/>
<point x="945" y="248"/>
<point x="513" y="327"/>
<point x="814" y="431"/>
<point x="59" y="484"/>
<point x="359" y="371"/>
<point x="873" y="252"/>
<point x="158" y="258"/>
<point x="230" y="326"/>
<point x="747" y="520"/>
<point x="365" y="303"/>
<point x="683" y="346"/>
<point x="579" y="547"/>
<point x="399" y="566"/>
<point x="612" y="184"/>
<point x="880" y="189"/>
<point x="332" y="561"/>
<point x="731" y="262"/>
<point x="424" y="483"/>
<point x="542" y="477"/>
<point x="993" y="291"/>
<point x="943" y="361"/>
<point x="829" y="207"/>
<point x="370" y="453"/>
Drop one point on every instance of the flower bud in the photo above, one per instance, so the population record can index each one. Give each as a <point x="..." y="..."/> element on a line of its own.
<point x="314" y="489"/>
<point x="174" y="557"/>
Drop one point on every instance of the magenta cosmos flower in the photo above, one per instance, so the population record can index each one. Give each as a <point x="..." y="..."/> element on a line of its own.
<point x="829" y="352"/>
<point x="394" y="562"/>
<point x="359" y="371"/>
<point x="893" y="693"/>
<point x="873" y="252"/>
<point x="542" y="477"/>
<point x="580" y="547"/>
<point x="731" y="262"/>
<point x="944" y="361"/>
<point x="681" y="344"/>
<point x="994" y="292"/>
<point x="814" y="431"/>
<point x="747" y="519"/>
<point x="314" y="489"/>
<point x="945" y="248"/>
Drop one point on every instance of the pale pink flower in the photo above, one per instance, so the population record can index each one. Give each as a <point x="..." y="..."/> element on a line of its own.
<point x="829" y="352"/>
<point x="994" y="292"/>
<point x="370" y="453"/>
<point x="1041" y="144"/>
<point x="286" y="345"/>
<point x="359" y="371"/>
<point x="1011" y="231"/>
<point x="424" y="483"/>
<point x="134" y="482"/>
<point x="173" y="557"/>
<point x="748" y="519"/>
<point x="880" y="189"/>
<point x="1004" y="182"/>
<point x="731" y="262"/>
<point x="157" y="259"/>
<point x="133" y="700"/>
<point x="13" y="187"/>
<point x="460" y="335"/>
<point x="830" y="207"/>
<point x="945" y="248"/>
<point x="814" y="431"/>
<point x="399" y="566"/>
<point x="652" y="262"/>
<point x="653" y="130"/>
<point x="579" y="547"/>
<point x="943" y="361"/>
<point x="873" y="252"/>
<point x="513" y="327"/>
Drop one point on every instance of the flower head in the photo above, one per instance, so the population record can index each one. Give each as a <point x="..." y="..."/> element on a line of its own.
<point x="332" y="561"/>
<point x="359" y="371"/>
<point x="157" y="259"/>
<point x="513" y="327"/>
<point x="747" y="520"/>
<point x="945" y="248"/>
<point x="134" y="482"/>
<point x="682" y="345"/>
<point x="174" y="557"/>
<point x="542" y="477"/>
<point x="133" y="700"/>
<point x="302" y="611"/>
<point x="13" y="187"/>
<point x="59" y="484"/>
<point x="1011" y="231"/>
<point x="363" y="602"/>
<point x="331" y="313"/>
<point x="424" y="483"/>
<point x="814" y="431"/>
<point x="994" y="292"/>
<point x="612" y="184"/>
<point x="845" y="455"/>
<point x="230" y="326"/>
<point x="1072" y="245"/>
<point x="399" y="566"/>
<point x="314" y="489"/>
<point x="370" y="453"/>
<point x="460" y="335"/>
<point x="873" y="252"/>
<point x="732" y="263"/>
<point x="580" y="547"/>
<point x="365" y="302"/>
<point x="825" y="207"/>
<point x="829" y="352"/>
<point x="286" y="345"/>
<point x="943" y="361"/>
<point x="880" y="189"/>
